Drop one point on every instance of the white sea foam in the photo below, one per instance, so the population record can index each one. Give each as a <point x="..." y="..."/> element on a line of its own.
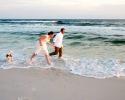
<point x="98" y="68"/>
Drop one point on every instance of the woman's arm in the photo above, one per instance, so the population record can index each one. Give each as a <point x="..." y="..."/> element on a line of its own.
<point x="42" y="39"/>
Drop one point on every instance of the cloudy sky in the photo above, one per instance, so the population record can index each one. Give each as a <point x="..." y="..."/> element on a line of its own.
<point x="62" y="9"/>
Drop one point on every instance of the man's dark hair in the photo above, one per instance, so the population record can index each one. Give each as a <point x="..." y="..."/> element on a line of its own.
<point x="62" y="29"/>
<point x="50" y="33"/>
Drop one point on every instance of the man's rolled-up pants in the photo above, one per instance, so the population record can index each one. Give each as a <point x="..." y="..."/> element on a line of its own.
<point x="57" y="50"/>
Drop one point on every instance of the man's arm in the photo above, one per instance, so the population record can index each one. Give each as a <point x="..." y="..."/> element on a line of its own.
<point x="55" y="38"/>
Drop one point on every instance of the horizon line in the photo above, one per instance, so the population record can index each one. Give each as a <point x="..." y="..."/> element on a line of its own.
<point x="64" y="18"/>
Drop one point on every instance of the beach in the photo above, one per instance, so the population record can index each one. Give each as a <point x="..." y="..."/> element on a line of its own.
<point x="92" y="66"/>
<point x="62" y="50"/>
<point x="56" y="84"/>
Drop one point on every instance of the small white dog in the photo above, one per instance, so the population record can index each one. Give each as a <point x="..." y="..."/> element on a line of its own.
<point x="9" y="57"/>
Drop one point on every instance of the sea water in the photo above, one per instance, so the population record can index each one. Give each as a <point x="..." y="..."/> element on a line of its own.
<point x="92" y="47"/>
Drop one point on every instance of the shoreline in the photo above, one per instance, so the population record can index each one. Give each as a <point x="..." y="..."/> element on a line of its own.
<point x="119" y="74"/>
<point x="55" y="84"/>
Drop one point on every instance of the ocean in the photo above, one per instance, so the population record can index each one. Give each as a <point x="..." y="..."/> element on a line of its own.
<point x="92" y="47"/>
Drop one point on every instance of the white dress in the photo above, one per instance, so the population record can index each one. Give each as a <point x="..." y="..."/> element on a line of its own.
<point x="43" y="48"/>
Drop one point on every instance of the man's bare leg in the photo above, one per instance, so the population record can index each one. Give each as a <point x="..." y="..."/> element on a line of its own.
<point x="60" y="52"/>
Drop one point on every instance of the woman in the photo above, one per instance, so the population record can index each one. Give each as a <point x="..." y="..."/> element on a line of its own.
<point x="42" y="46"/>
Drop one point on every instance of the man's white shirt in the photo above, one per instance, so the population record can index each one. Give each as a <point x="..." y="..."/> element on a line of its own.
<point x="58" y="40"/>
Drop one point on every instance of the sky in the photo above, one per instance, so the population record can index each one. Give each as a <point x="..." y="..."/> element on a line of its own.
<point x="53" y="9"/>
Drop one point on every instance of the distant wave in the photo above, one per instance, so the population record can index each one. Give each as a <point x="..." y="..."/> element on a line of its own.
<point x="75" y="43"/>
<point x="75" y="37"/>
<point x="26" y="21"/>
<point x="111" y="40"/>
<point x="98" y="38"/>
<point x="117" y="41"/>
<point x="89" y="23"/>
<point x="78" y="23"/>
<point x="70" y="22"/>
<point x="86" y="37"/>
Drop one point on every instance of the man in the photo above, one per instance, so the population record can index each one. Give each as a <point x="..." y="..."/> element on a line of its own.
<point x="42" y="46"/>
<point x="58" y="40"/>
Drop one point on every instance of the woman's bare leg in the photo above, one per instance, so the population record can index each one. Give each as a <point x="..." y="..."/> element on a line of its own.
<point x="48" y="59"/>
<point x="33" y="55"/>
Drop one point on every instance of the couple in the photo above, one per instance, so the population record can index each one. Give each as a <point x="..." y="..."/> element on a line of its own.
<point x="42" y="45"/>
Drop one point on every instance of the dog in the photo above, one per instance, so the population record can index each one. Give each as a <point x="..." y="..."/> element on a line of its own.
<point x="9" y="57"/>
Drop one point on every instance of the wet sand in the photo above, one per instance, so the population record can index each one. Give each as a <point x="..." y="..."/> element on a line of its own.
<point x="55" y="84"/>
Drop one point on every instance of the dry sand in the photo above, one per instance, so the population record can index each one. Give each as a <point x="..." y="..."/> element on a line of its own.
<point x="54" y="84"/>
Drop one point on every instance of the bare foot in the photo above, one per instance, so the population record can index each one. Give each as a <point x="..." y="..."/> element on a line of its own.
<point x="121" y="61"/>
<point x="30" y="62"/>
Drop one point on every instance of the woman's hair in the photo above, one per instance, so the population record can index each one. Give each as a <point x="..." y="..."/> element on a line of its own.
<point x="50" y="33"/>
